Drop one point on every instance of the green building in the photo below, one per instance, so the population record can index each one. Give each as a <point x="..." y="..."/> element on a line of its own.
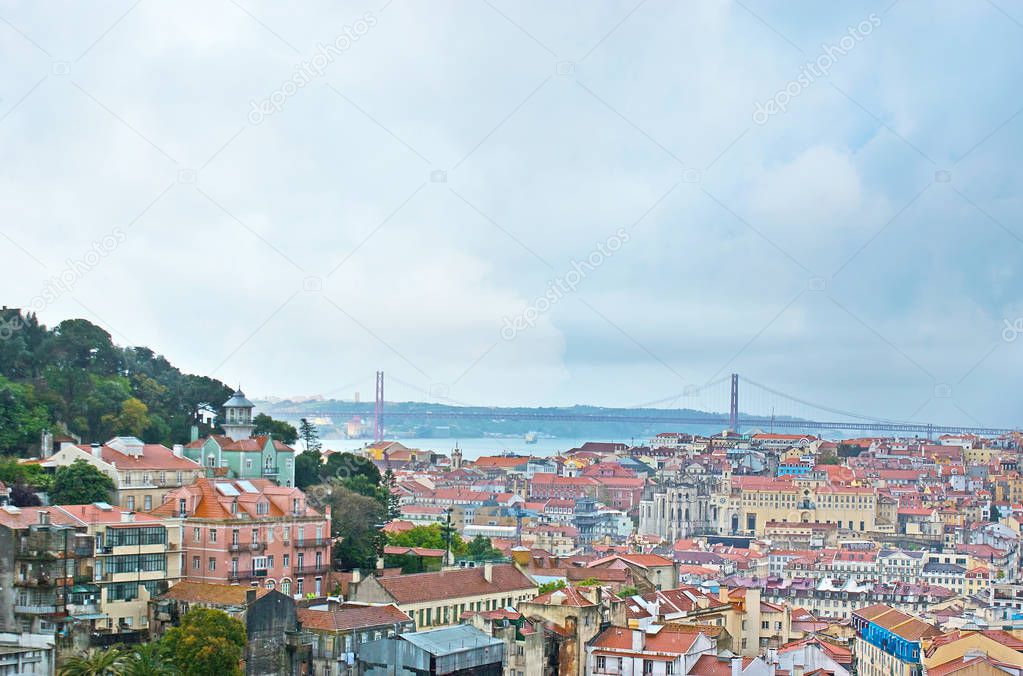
<point x="239" y="455"/>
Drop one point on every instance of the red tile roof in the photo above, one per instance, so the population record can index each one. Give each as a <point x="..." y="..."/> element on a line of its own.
<point x="351" y="616"/>
<point x="448" y="584"/>
<point x="213" y="594"/>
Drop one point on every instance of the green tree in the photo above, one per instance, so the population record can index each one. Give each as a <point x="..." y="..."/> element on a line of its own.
<point x="431" y="537"/>
<point x="110" y="662"/>
<point x="278" y="429"/>
<point x="133" y="419"/>
<point x="22" y="416"/>
<point x="80" y="483"/>
<point x="392" y="502"/>
<point x="307" y="468"/>
<point x="554" y="585"/>
<point x="207" y="641"/>
<point x="310" y="435"/>
<point x="625" y="592"/>
<point x="481" y="548"/>
<point x="356" y="520"/>
<point x="147" y="659"/>
<point x="829" y="458"/>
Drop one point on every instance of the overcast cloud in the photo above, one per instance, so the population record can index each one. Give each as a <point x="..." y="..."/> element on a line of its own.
<point x="451" y="160"/>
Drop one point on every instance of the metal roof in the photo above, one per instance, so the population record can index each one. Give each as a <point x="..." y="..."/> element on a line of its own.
<point x="450" y="640"/>
<point x="238" y="400"/>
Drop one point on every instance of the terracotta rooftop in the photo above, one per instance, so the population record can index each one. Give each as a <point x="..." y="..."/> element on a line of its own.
<point x="449" y="584"/>
<point x="351" y="616"/>
<point x="213" y="594"/>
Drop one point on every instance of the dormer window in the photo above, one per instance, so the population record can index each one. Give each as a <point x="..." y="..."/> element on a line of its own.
<point x="262" y="508"/>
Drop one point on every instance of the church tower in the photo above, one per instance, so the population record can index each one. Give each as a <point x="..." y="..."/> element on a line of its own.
<point x="456" y="458"/>
<point x="237" y="422"/>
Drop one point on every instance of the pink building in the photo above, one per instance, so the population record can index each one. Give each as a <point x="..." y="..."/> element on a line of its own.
<point x="252" y="532"/>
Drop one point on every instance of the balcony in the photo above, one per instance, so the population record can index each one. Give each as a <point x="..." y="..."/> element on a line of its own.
<point x="40" y="580"/>
<point x="311" y="542"/>
<point x="239" y="575"/>
<point x="35" y="609"/>
<point x="310" y="570"/>
<point x="234" y="547"/>
<point x="271" y="471"/>
<point x="256" y="546"/>
<point x="28" y="554"/>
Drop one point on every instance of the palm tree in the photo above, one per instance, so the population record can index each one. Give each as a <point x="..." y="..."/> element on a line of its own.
<point x="146" y="660"/>
<point x="109" y="662"/>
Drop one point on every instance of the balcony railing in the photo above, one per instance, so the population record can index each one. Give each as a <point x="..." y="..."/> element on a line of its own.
<point x="310" y="570"/>
<point x="271" y="471"/>
<point x="238" y="575"/>
<point x="256" y="546"/>
<point x="311" y="542"/>
<point x="35" y="609"/>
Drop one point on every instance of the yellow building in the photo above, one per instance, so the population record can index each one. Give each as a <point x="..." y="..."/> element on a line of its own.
<point x="136" y="556"/>
<point x="142" y="473"/>
<point x="958" y="646"/>
<point x="756" y="501"/>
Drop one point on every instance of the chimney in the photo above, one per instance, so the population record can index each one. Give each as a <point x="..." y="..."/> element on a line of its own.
<point x="179" y="450"/>
<point x="44" y="517"/>
<point x="97" y="451"/>
<point x="127" y="517"/>
<point x="380" y="563"/>
<point x="45" y="444"/>
<point x="736" y="666"/>
<point x="193" y="433"/>
<point x="250" y="597"/>
<point x="488" y="571"/>
<point x="356" y="576"/>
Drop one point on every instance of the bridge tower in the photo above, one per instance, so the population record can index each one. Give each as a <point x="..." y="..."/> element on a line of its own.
<point x="378" y="433"/>
<point x="733" y="408"/>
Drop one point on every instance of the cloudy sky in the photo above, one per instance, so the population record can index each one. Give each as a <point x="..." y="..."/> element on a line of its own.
<point x="505" y="202"/>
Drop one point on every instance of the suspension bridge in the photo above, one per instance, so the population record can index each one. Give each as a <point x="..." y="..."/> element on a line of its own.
<point x="702" y="406"/>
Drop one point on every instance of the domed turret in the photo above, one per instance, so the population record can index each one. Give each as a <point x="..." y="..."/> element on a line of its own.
<point x="237" y="422"/>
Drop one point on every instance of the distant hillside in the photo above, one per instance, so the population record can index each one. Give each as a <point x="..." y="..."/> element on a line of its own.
<point x="419" y="419"/>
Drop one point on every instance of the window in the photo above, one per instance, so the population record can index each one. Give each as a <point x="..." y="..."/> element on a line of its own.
<point x="148" y="502"/>
<point x="163" y="478"/>
<point x="196" y="536"/>
<point x="213" y="563"/>
<point x="648" y="666"/>
<point x="181" y="506"/>
<point x="299" y="585"/>
<point x="601" y="663"/>
<point x="213" y="534"/>
<point x="195" y="563"/>
<point x="248" y="463"/>
<point x="129" y="503"/>
<point x="286" y="560"/>
<point x="262" y="507"/>
<point x="180" y="478"/>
